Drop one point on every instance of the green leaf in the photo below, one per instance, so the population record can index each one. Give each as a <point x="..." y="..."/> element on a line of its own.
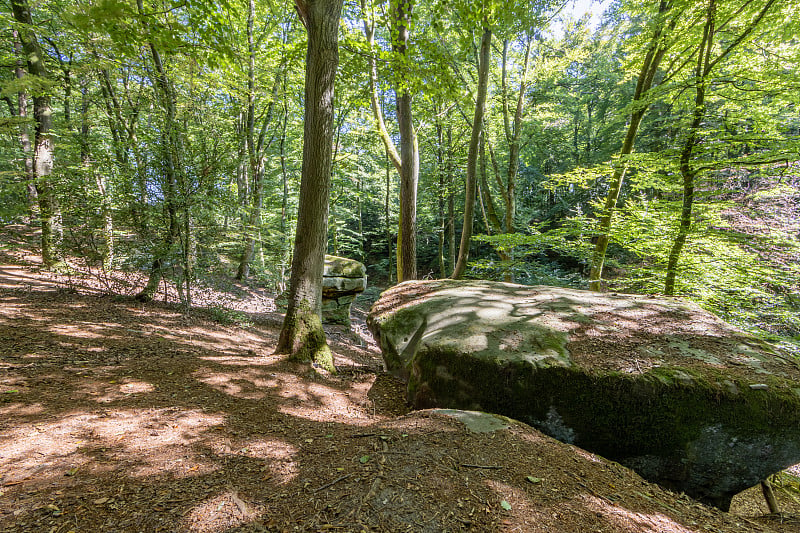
<point x="533" y="479"/>
<point x="505" y="505"/>
<point x="363" y="459"/>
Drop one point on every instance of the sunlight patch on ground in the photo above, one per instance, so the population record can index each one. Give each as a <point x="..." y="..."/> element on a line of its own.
<point x="520" y="507"/>
<point x="136" y="387"/>
<point x="220" y="513"/>
<point x="145" y="441"/>
<point x="627" y="520"/>
<point x="254" y="360"/>
<point x="107" y="391"/>
<point x="21" y="409"/>
<point x="81" y="331"/>
<point x="219" y="340"/>
<point x="40" y="451"/>
<point x="278" y="456"/>
<point x="323" y="404"/>
<point x="249" y="384"/>
<point x="156" y="441"/>
<point x="586" y="455"/>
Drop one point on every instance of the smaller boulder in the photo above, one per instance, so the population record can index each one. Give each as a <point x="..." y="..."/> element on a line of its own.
<point x="342" y="280"/>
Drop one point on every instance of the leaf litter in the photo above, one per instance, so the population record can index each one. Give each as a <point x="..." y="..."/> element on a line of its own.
<point x="122" y="416"/>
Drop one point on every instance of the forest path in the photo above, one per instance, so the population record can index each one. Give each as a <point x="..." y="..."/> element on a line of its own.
<point x="121" y="416"/>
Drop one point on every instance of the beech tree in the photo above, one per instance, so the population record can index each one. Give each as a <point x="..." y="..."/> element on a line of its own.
<point x="706" y="61"/>
<point x="406" y="160"/>
<point x="662" y="39"/>
<point x="472" y="156"/>
<point x="49" y="210"/>
<point x="302" y="335"/>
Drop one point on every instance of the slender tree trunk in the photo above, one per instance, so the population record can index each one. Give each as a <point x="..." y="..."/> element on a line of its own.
<point x="285" y="192"/>
<point x="302" y="335"/>
<point x="440" y="170"/>
<point x="451" y="203"/>
<point x="688" y="173"/>
<point x="769" y="497"/>
<point x="652" y="60"/>
<point x="387" y="212"/>
<point x="703" y="69"/>
<point x="513" y="139"/>
<point x="49" y="211"/>
<point x="165" y="94"/>
<point x="407" y="161"/>
<point x="254" y="152"/>
<point x="100" y="180"/>
<point x="472" y="155"/>
<point x="492" y="221"/>
<point x="24" y="137"/>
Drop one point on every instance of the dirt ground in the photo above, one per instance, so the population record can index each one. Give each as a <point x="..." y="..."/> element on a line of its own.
<point x="122" y="416"/>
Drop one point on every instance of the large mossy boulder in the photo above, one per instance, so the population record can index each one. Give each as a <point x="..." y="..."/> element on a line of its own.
<point x="342" y="280"/>
<point x="657" y="384"/>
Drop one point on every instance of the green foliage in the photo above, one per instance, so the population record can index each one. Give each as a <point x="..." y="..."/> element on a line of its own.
<point x="115" y="139"/>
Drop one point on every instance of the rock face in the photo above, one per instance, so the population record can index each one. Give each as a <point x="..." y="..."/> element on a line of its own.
<point x="657" y="384"/>
<point x="342" y="280"/>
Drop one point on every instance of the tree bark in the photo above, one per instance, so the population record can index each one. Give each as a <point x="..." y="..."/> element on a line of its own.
<point x="407" y="161"/>
<point x="21" y="111"/>
<point x="472" y="154"/>
<point x="703" y="69"/>
<point x="652" y="60"/>
<point x="255" y="149"/>
<point x="688" y="173"/>
<point x="49" y="211"/>
<point x="165" y="95"/>
<point x="302" y="335"/>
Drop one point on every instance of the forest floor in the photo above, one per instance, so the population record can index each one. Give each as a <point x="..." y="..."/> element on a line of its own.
<point x="121" y="416"/>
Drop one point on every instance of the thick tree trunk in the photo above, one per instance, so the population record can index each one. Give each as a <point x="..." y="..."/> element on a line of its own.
<point x="409" y="179"/>
<point x="472" y="155"/>
<point x="302" y="335"/>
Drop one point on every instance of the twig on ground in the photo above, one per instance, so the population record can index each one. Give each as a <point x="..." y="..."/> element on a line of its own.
<point x="334" y="482"/>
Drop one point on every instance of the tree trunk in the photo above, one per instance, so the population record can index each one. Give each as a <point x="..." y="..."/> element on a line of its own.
<point x="440" y="170"/>
<point x="24" y="137"/>
<point x="302" y="335"/>
<point x="409" y="179"/>
<point x="513" y="137"/>
<point x="49" y="211"/>
<point x="387" y="212"/>
<point x="688" y="173"/>
<point x="705" y="64"/>
<point x="255" y="150"/>
<point x="451" y="203"/>
<point x="652" y="60"/>
<point x="165" y="94"/>
<point x="407" y="161"/>
<point x="472" y="155"/>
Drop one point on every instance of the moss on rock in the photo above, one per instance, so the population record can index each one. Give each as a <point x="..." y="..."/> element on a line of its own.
<point x="656" y="384"/>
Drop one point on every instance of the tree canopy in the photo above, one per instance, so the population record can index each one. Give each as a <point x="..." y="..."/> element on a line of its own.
<point x="655" y="151"/>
